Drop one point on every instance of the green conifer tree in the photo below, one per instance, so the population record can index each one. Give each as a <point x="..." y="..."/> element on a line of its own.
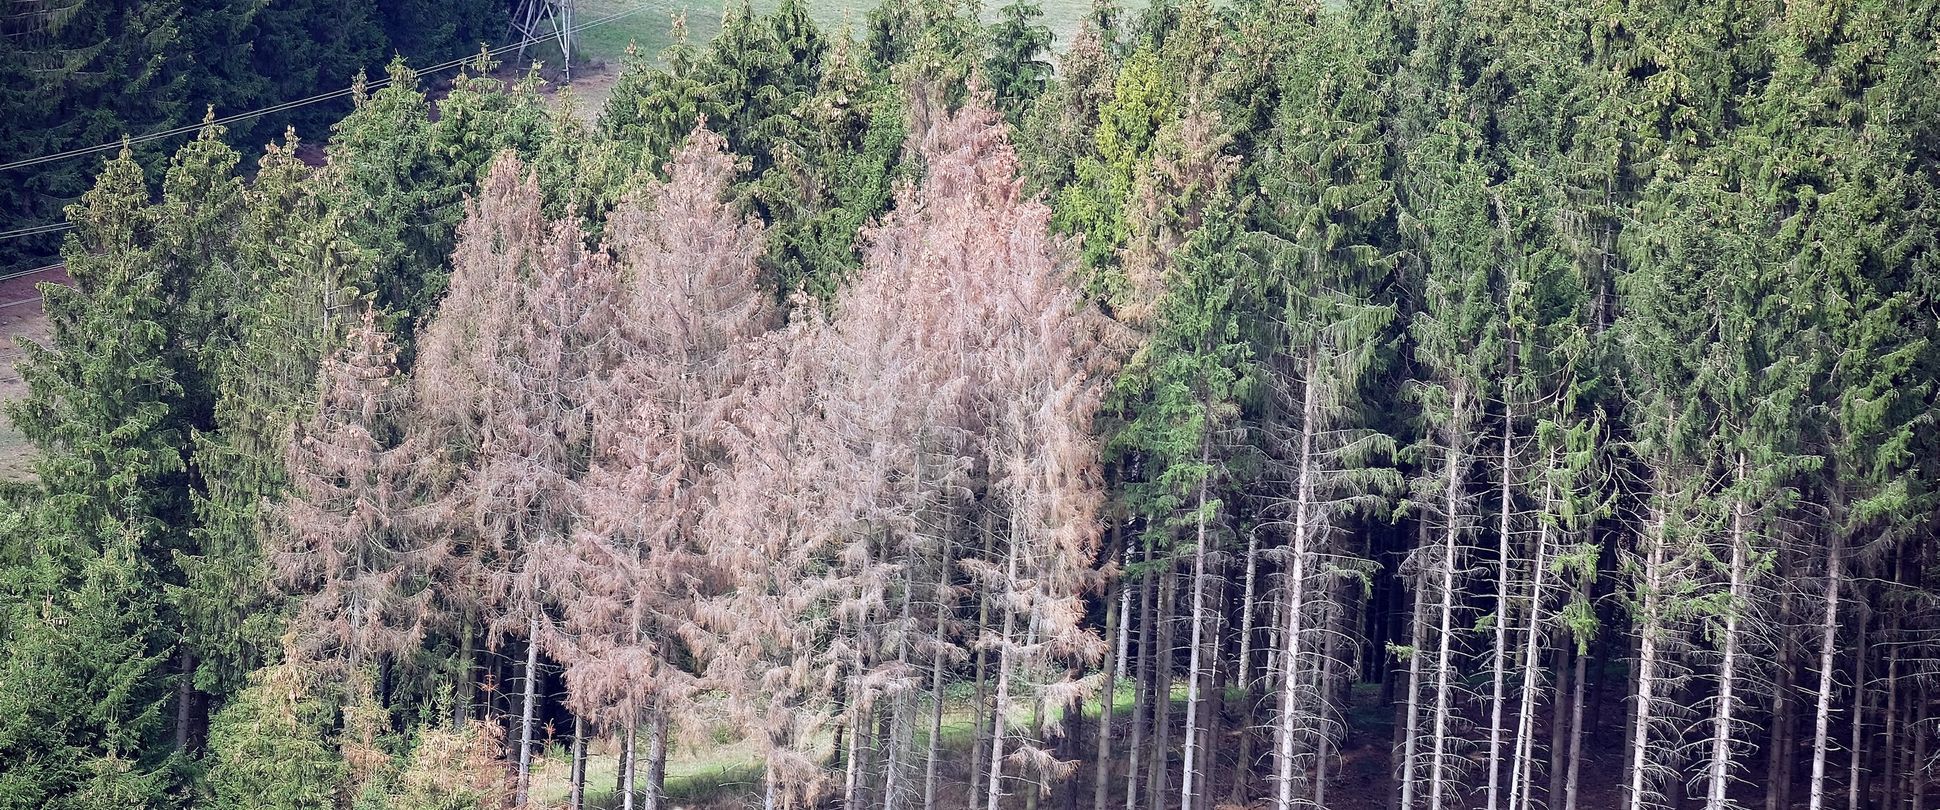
<point x="1014" y="71"/>
<point x="103" y="409"/>
<point x="295" y="277"/>
<point x="272" y="746"/>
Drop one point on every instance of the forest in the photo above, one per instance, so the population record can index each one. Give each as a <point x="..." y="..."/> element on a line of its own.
<point x="75" y="74"/>
<point x="1253" y="405"/>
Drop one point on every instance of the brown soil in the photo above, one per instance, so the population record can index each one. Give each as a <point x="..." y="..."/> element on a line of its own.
<point x="21" y="318"/>
<point x="592" y="82"/>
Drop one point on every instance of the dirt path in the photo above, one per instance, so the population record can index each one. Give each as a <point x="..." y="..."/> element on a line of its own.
<point x="20" y="317"/>
<point x="590" y="89"/>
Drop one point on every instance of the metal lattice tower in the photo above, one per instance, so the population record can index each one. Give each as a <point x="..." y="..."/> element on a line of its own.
<point x="535" y="21"/>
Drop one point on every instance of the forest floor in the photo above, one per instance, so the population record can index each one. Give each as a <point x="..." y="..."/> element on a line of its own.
<point x="712" y="770"/>
<point x="590" y="88"/>
<point x="20" y="318"/>
<point x="707" y="771"/>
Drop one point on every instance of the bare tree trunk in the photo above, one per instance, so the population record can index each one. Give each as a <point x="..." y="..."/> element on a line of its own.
<point x="1855" y="789"/>
<point x="852" y="761"/>
<point x="1198" y="636"/>
<point x="1243" y="673"/>
<point x="937" y="662"/>
<point x="1559" y="722"/>
<point x="1576" y="735"/>
<point x="184" y="697"/>
<point x="576" y="799"/>
<point x="1778" y="760"/>
<point x="1889" y="778"/>
<point x="1918" y="768"/>
<point x="1451" y="500"/>
<point x="902" y="708"/>
<point x="980" y="697"/>
<point x="1828" y="647"/>
<point x="1646" y="659"/>
<point x="1158" y="771"/>
<point x="656" y="758"/>
<point x="629" y="761"/>
<point x="1271" y="669"/>
<point x="1285" y="750"/>
<point x="461" y="709"/>
<point x="1522" y="766"/>
<point x="1214" y="710"/>
<point x="900" y="705"/>
<point x="1295" y="587"/>
<point x="996" y="786"/>
<point x="1720" y="766"/>
<point x="526" y="711"/>
<point x="1633" y="646"/>
<point x="1114" y="624"/>
<point x="1324" y="674"/>
<point x="1411" y="741"/>
<point x="499" y="704"/>
<point x="1243" y="669"/>
<point x="880" y="731"/>
<point x="1143" y="698"/>
<point x="1891" y="795"/>
<point x="1500" y="652"/>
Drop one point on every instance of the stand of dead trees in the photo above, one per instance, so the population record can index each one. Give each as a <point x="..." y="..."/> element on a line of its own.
<point x="636" y="476"/>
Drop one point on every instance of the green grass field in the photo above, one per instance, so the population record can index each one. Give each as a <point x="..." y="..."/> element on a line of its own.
<point x="650" y="29"/>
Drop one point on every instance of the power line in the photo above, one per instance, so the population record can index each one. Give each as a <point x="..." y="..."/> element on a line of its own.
<point x="36" y="298"/>
<point x="47" y="227"/>
<point x="57" y="227"/>
<point x="41" y="269"/>
<point x="289" y="105"/>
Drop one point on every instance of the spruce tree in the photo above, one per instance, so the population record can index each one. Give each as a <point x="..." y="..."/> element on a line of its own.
<point x="1456" y="343"/>
<point x="343" y="542"/>
<point x="401" y="179"/>
<point x="1325" y="215"/>
<point x="654" y="106"/>
<point x="272" y="747"/>
<point x="294" y="278"/>
<point x="105" y="412"/>
<point x="1013" y="71"/>
<point x="86" y="688"/>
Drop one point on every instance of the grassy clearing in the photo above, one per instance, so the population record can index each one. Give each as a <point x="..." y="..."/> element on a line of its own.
<point x="651" y="29"/>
